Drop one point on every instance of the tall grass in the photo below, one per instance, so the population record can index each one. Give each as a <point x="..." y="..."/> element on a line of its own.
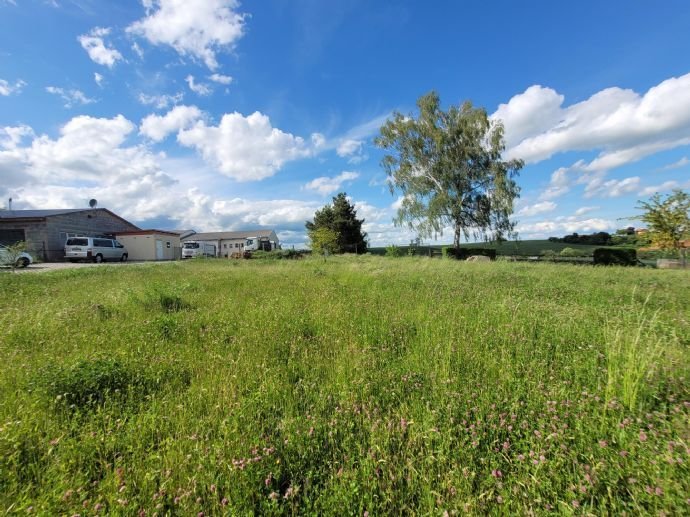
<point x="360" y="384"/>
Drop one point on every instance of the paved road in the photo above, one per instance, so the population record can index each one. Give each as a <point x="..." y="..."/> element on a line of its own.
<point x="55" y="266"/>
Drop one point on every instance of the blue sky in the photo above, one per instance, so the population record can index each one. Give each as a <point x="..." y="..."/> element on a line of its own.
<point x="216" y="114"/>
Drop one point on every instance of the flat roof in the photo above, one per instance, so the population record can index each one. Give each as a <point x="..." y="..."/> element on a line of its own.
<point x="148" y="232"/>
<point x="213" y="236"/>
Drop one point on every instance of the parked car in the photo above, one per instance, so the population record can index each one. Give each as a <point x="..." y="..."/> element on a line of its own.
<point x="22" y="260"/>
<point x="96" y="249"/>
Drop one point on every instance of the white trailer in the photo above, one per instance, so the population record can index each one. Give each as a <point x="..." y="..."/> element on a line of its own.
<point x="191" y="249"/>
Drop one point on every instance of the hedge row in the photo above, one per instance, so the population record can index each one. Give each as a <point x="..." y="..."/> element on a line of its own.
<point x="465" y="253"/>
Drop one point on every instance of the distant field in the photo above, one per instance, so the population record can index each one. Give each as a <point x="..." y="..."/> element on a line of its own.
<point x="339" y="387"/>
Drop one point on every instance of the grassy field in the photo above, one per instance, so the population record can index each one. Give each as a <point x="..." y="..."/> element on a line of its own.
<point x="360" y="385"/>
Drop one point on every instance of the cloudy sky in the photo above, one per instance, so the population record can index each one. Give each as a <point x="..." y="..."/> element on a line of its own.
<point x="221" y="115"/>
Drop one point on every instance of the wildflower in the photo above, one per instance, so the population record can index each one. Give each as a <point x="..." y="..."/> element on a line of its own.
<point x="267" y="481"/>
<point x="225" y="501"/>
<point x="496" y="473"/>
<point x="521" y="457"/>
<point x="643" y="436"/>
<point x="603" y="444"/>
<point x="623" y="453"/>
<point x="576" y="503"/>
<point x="499" y="499"/>
<point x="213" y="489"/>
<point x="658" y="491"/>
<point x="273" y="496"/>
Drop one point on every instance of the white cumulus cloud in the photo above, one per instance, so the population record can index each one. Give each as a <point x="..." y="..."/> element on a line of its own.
<point x="196" y="28"/>
<point x="598" y="187"/>
<point x="538" y="208"/>
<point x="326" y="185"/>
<point x="623" y="125"/>
<point x="158" y="127"/>
<point x="220" y="78"/>
<point x="96" y="48"/>
<point x="244" y="148"/>
<point x="7" y="89"/>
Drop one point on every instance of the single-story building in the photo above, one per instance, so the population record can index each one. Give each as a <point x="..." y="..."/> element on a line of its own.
<point x="228" y="243"/>
<point x="45" y="231"/>
<point x="151" y="244"/>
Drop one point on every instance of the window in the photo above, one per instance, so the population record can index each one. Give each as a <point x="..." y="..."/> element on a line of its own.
<point x="77" y="242"/>
<point x="167" y="244"/>
<point x="103" y="243"/>
<point x="225" y="245"/>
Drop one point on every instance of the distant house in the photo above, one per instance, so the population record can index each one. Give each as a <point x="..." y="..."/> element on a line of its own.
<point x="45" y="231"/>
<point x="227" y="243"/>
<point x="151" y="244"/>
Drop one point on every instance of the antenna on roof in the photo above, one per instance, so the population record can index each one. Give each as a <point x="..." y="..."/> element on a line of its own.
<point x="93" y="203"/>
<point x="9" y="207"/>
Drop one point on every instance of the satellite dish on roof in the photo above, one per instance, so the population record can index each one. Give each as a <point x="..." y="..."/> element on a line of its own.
<point x="93" y="203"/>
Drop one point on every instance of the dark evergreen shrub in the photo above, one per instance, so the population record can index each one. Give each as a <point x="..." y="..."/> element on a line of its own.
<point x="615" y="256"/>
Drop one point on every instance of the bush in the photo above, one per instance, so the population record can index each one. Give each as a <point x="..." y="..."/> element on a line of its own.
<point x="615" y="256"/>
<point x="465" y="253"/>
<point x="549" y="254"/>
<point x="394" y="251"/>
<point x="276" y="254"/>
<point x="571" y="252"/>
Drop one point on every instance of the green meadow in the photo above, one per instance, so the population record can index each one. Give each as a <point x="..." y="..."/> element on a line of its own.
<point x="352" y="386"/>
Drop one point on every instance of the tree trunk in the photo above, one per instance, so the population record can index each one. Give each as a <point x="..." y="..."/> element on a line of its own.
<point x="456" y="238"/>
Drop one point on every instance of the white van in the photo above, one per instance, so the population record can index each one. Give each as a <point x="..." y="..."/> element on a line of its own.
<point x="96" y="249"/>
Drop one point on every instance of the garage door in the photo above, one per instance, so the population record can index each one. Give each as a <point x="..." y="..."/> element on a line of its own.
<point x="9" y="237"/>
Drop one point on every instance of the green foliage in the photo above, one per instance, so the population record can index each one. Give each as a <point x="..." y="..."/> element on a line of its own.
<point x="615" y="256"/>
<point x="448" y="167"/>
<point x="668" y="220"/>
<point x="12" y="253"/>
<point x="323" y="241"/>
<point x="572" y="252"/>
<point x="341" y="218"/>
<point x="549" y="254"/>
<point x="394" y="251"/>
